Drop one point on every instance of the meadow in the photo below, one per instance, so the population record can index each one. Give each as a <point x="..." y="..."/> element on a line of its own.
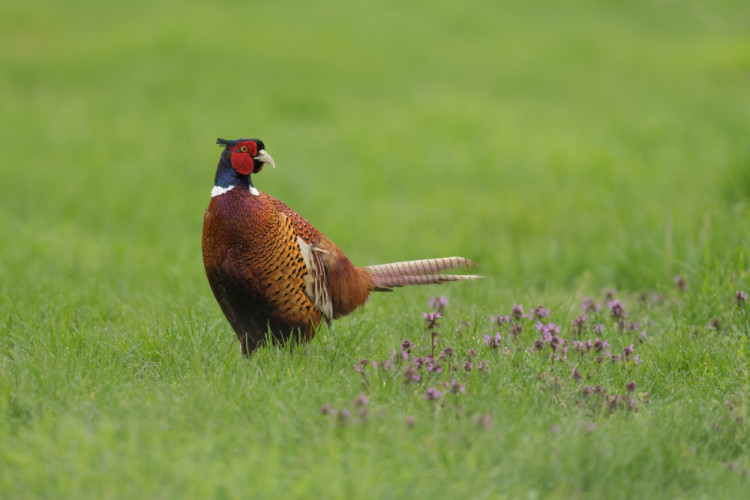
<point x="593" y="157"/>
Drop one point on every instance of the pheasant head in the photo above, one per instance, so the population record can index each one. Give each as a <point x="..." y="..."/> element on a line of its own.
<point x="240" y="159"/>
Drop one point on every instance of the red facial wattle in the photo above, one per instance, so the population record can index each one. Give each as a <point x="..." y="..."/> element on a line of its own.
<point x="242" y="161"/>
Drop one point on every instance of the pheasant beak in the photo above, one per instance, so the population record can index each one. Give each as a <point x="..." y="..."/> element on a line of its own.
<point x="264" y="157"/>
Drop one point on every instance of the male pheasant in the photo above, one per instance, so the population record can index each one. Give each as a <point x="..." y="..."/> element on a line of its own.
<point x="271" y="270"/>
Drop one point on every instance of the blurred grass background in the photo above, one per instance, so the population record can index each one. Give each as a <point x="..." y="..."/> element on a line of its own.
<point x="546" y="141"/>
<point x="563" y="145"/>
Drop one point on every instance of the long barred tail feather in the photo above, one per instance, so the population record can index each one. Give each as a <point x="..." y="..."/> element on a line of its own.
<point x="419" y="272"/>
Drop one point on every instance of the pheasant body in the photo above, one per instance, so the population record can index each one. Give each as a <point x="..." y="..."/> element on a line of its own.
<point x="272" y="271"/>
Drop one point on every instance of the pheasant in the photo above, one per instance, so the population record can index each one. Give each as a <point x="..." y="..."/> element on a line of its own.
<point x="272" y="271"/>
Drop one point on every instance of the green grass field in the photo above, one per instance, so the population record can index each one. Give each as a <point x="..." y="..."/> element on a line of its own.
<point x="569" y="147"/>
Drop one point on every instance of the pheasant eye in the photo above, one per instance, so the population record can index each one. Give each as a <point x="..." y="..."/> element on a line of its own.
<point x="243" y="149"/>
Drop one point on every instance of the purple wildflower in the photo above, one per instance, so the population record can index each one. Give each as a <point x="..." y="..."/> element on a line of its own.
<point x="456" y="387"/>
<point x="485" y="421"/>
<point x="575" y="374"/>
<point x="515" y="330"/>
<point x="628" y="351"/>
<point x="358" y="368"/>
<point x="631" y="404"/>
<point x="434" y="367"/>
<point x="637" y="360"/>
<point x="598" y="329"/>
<point x="579" y="323"/>
<point x="680" y="282"/>
<point x="411" y="375"/>
<point x="361" y="400"/>
<point x="598" y="345"/>
<point x="547" y="332"/>
<point x="614" y="400"/>
<point x="406" y="346"/>
<point x="588" y="305"/>
<point x="740" y="297"/>
<point x="493" y="341"/>
<point x="500" y="319"/>
<point x="540" y="312"/>
<point x="468" y="366"/>
<point x="432" y="394"/>
<point x="438" y="303"/>
<point x="617" y="309"/>
<point x="325" y="409"/>
<point x="517" y="311"/>
<point x="554" y="342"/>
<point x="431" y="319"/>
<point x="714" y="324"/>
<point x="631" y="386"/>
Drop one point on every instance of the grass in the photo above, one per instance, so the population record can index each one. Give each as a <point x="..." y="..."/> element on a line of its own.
<point x="567" y="148"/>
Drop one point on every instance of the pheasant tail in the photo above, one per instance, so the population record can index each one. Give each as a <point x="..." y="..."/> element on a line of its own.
<point x="419" y="272"/>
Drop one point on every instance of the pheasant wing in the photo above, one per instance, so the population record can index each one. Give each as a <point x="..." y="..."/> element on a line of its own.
<point x="316" y="283"/>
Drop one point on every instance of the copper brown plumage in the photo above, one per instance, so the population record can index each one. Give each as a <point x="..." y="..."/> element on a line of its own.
<point x="271" y="271"/>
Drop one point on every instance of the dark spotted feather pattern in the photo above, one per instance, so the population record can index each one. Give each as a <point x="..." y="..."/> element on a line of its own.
<point x="258" y="273"/>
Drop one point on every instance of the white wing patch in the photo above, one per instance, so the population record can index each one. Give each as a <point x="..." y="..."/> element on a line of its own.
<point x="316" y="286"/>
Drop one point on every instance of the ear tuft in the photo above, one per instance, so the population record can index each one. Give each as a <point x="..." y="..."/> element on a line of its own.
<point x="224" y="142"/>
<point x="231" y="144"/>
